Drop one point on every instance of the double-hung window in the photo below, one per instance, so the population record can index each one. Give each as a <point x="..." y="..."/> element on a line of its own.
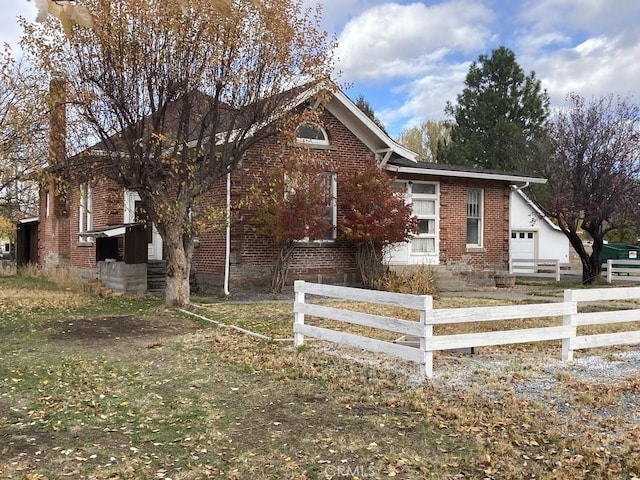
<point x="424" y="199"/>
<point x="85" y="212"/>
<point x="474" y="217"/>
<point x="332" y="205"/>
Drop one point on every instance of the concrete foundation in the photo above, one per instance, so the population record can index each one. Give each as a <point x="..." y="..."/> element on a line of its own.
<point x="123" y="277"/>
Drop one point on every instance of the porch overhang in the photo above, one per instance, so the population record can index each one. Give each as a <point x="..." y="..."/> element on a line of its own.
<point x="110" y="231"/>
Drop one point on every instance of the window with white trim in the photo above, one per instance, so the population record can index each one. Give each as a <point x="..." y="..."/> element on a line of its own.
<point x="332" y="205"/>
<point x="424" y="200"/>
<point x="474" y="217"/>
<point x="85" y="212"/>
<point x="312" y="134"/>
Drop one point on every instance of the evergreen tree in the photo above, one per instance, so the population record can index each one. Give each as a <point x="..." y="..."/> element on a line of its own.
<point x="363" y="105"/>
<point x="499" y="115"/>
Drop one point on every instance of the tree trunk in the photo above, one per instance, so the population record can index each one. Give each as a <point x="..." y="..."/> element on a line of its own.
<point x="177" y="292"/>
<point x="592" y="269"/>
<point x="591" y="263"/>
<point x="369" y="263"/>
<point x="281" y="266"/>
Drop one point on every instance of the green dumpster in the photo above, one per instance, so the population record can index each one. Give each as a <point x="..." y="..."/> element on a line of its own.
<point x="620" y="251"/>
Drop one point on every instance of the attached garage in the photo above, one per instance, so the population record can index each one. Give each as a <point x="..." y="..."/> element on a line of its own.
<point x="523" y="244"/>
<point x="533" y="236"/>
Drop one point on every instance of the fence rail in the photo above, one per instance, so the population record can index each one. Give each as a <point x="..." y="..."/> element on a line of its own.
<point x="535" y="267"/>
<point x="578" y="342"/>
<point x="629" y="267"/>
<point x="552" y="268"/>
<point x="423" y="329"/>
<point x="421" y="303"/>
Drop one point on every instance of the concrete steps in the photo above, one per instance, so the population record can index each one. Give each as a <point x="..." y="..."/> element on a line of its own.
<point x="447" y="281"/>
<point x="96" y="287"/>
<point x="156" y="276"/>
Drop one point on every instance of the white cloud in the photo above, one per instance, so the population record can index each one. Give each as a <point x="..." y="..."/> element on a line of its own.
<point x="580" y="15"/>
<point x="596" y="67"/>
<point x="403" y="40"/>
<point x="426" y="97"/>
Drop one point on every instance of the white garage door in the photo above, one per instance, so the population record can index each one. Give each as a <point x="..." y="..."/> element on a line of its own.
<point x="522" y="244"/>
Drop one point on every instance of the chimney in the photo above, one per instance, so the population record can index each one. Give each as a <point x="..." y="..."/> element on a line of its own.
<point x="58" y="143"/>
<point x="57" y="121"/>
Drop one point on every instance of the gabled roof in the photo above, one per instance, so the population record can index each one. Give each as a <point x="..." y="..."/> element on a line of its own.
<point x="389" y="153"/>
<point x="395" y="157"/>
<point x="367" y="131"/>
<point x="535" y="207"/>
<point x="459" y="171"/>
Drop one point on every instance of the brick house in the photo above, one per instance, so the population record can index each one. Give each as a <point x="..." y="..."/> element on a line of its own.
<point x="463" y="213"/>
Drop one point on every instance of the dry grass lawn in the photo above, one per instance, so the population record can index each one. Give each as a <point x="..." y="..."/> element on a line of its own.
<point x="121" y="389"/>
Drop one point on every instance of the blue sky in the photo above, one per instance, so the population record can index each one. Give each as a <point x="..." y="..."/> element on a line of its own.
<point x="409" y="58"/>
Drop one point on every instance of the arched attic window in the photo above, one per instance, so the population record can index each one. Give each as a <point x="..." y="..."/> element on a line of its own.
<point x="312" y="134"/>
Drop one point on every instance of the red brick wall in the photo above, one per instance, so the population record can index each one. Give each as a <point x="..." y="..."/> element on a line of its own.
<point x="453" y="222"/>
<point x="59" y="240"/>
<point x="252" y="257"/>
<point x="53" y="228"/>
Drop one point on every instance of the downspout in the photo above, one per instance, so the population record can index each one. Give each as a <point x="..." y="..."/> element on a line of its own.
<point x="517" y="189"/>
<point x="227" y="257"/>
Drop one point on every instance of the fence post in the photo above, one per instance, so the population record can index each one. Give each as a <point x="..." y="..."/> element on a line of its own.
<point x="298" y="338"/>
<point x="557" y="270"/>
<point x="569" y="320"/>
<point x="426" y="367"/>
<point x="609" y="273"/>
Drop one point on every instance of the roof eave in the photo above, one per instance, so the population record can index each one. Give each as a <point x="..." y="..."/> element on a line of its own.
<point x="384" y="143"/>
<point x="504" y="177"/>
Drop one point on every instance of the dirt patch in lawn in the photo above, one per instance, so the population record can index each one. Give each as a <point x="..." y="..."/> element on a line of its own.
<point x="111" y="329"/>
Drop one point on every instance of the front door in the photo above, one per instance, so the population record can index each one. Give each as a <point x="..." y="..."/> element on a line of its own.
<point x="134" y="212"/>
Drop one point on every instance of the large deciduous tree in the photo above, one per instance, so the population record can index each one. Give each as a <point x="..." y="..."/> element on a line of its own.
<point x="22" y="138"/>
<point x="499" y="115"/>
<point x="593" y="167"/>
<point x="374" y="215"/>
<point x="176" y="92"/>
<point x="427" y="138"/>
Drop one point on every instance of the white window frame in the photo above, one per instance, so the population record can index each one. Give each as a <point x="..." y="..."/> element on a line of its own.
<point x="430" y="197"/>
<point x="332" y="205"/>
<point x="332" y="208"/>
<point x="85" y="212"/>
<point x="313" y="141"/>
<point x="475" y="212"/>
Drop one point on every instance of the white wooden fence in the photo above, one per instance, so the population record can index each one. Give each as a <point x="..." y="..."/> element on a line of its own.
<point x="552" y="268"/>
<point x="423" y="329"/>
<point x="631" y="269"/>
<point x="421" y="303"/>
<point x="577" y="342"/>
<point x="535" y="267"/>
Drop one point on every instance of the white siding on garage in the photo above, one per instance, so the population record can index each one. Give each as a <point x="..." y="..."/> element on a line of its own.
<point x="547" y="241"/>
<point x="523" y="244"/>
